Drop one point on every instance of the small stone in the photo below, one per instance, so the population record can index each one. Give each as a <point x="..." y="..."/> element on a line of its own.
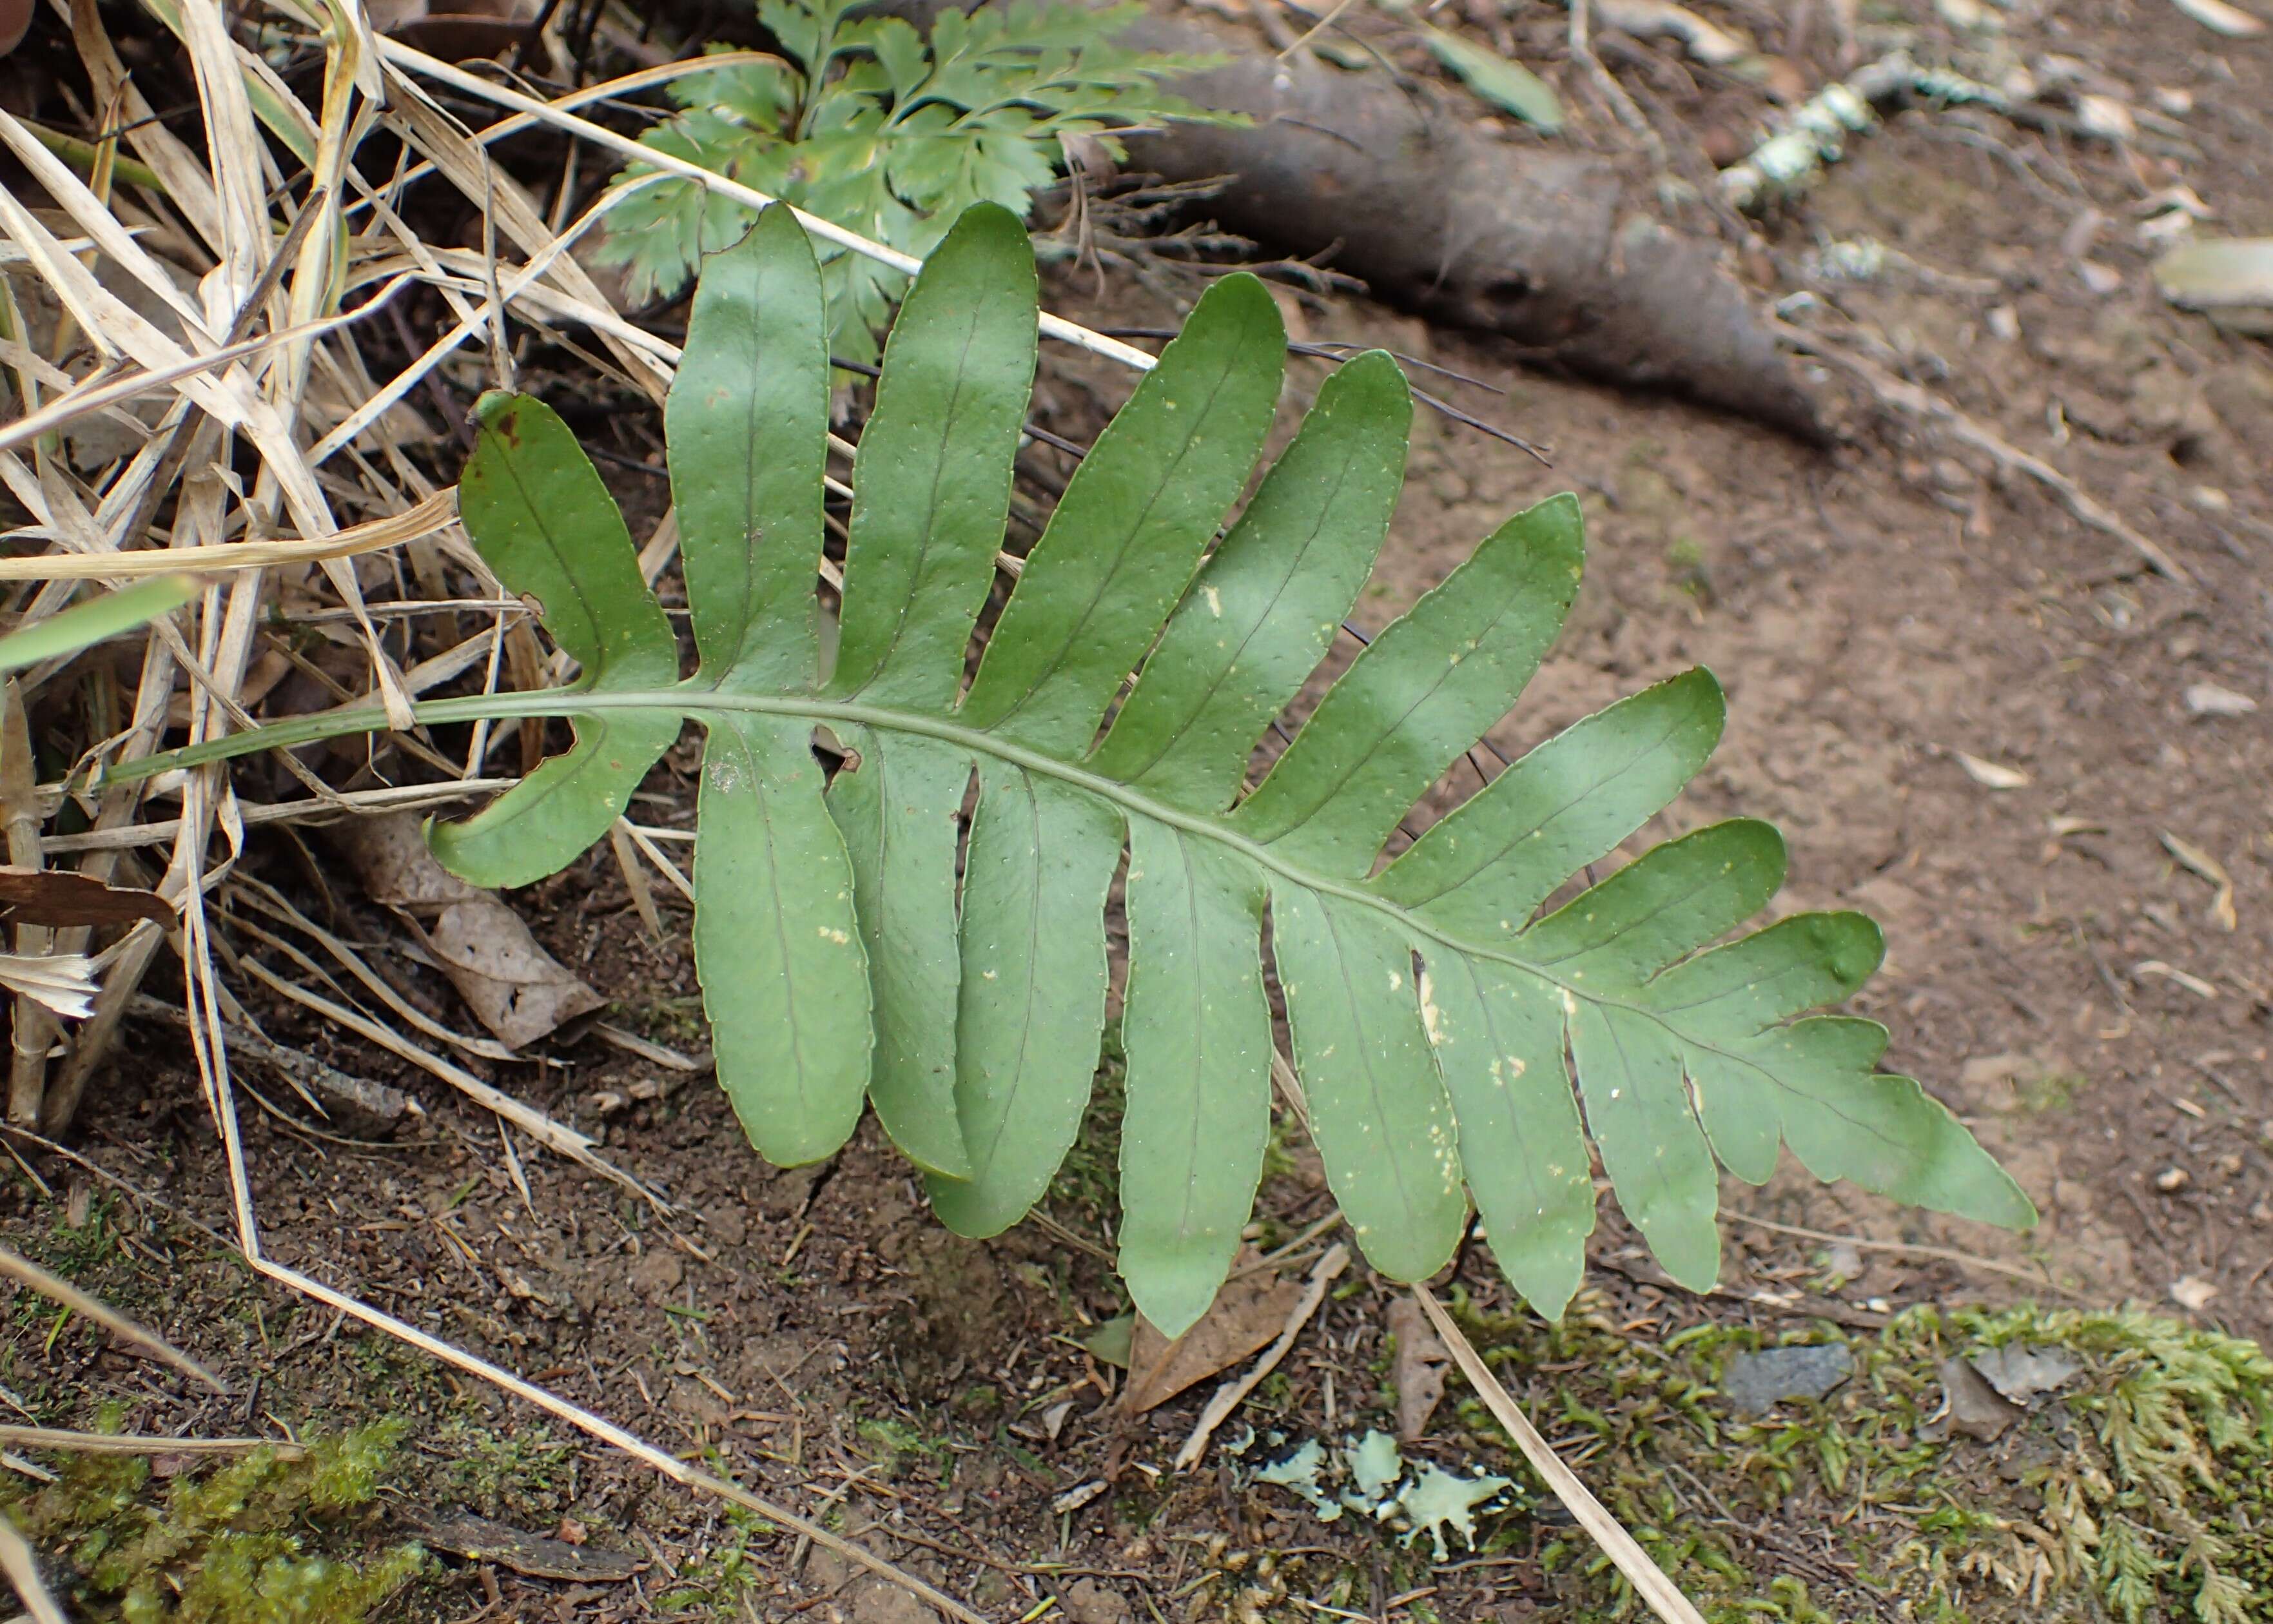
<point x="2208" y="699"/>
<point x="1755" y="1383"/>
<point x="657" y="1274"/>
<point x="879" y="1601"/>
<point x="2170" y="1180"/>
<point x="727" y="1223"/>
<point x="2193" y="1294"/>
<point x="1087" y="1602"/>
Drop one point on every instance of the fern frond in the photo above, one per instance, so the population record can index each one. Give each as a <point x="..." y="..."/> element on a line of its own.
<point x="1446" y="1042"/>
<point x="871" y="126"/>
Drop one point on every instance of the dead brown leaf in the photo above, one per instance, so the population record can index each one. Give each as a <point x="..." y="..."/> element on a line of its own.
<point x="513" y="986"/>
<point x="64" y="897"/>
<point x="1971" y="1406"/>
<point x="466" y="30"/>
<point x="1421" y="1358"/>
<point x="1247" y="1314"/>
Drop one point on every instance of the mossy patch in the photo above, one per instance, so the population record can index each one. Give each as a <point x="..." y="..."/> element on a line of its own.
<point x="260" y="1540"/>
<point x="2136" y="1492"/>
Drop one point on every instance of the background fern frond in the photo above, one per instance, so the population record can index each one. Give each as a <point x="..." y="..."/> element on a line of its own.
<point x="868" y="124"/>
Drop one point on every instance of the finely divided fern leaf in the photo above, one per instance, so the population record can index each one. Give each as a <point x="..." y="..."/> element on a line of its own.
<point x="852" y="947"/>
<point x="870" y="125"/>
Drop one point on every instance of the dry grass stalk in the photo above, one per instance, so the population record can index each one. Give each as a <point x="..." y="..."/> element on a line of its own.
<point x="1229" y="1396"/>
<point x="139" y="1443"/>
<point x="27" y="1273"/>
<point x="1659" y="1593"/>
<point x="442" y="73"/>
<point x="22" y="1568"/>
<point x="375" y="535"/>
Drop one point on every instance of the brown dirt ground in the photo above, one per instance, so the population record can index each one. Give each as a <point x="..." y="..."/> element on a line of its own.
<point x="1872" y="614"/>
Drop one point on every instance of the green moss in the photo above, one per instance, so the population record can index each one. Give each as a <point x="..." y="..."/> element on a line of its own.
<point x="729" y="1568"/>
<point x="2053" y="1092"/>
<point x="517" y="1473"/>
<point x="2139" y="1492"/>
<point x="895" y="1446"/>
<point x="227" y="1544"/>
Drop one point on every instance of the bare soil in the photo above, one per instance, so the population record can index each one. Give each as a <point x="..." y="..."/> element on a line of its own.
<point x="2059" y="972"/>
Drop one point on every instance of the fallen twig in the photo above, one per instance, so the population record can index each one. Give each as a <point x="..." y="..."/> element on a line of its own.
<point x="1229" y="1396"/>
<point x="1903" y="396"/>
<point x="1939" y="1254"/>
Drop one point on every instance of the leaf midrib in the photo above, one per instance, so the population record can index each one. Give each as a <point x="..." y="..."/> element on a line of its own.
<point x="693" y="698"/>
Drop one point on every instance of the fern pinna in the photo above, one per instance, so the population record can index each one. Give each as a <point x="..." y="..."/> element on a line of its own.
<point x="854" y="945"/>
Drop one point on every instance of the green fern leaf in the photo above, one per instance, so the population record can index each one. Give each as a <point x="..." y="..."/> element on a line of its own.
<point x="1448" y="1045"/>
<point x="876" y="129"/>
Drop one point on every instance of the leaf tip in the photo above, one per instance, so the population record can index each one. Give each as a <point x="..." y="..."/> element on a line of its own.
<point x="491" y="411"/>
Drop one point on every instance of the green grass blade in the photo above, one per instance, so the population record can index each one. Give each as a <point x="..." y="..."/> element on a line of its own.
<point x="1032" y="1002"/>
<point x="535" y="507"/>
<point x="747" y="424"/>
<point x="897" y="814"/>
<point x="1124" y="540"/>
<point x="1196" y="1028"/>
<point x="1267" y="603"/>
<point x="931" y="482"/>
<point x="552" y="816"/>
<point x="101" y="618"/>
<point x="1378" y="1108"/>
<point x="1630" y="1075"/>
<point x="1499" y="1043"/>
<point x="1506" y="85"/>
<point x="1485" y="865"/>
<point x="776" y="945"/>
<point x="1666" y="904"/>
<point x="1424" y="691"/>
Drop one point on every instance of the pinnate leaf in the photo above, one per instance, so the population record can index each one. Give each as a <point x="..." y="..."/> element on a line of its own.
<point x="853" y="945"/>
